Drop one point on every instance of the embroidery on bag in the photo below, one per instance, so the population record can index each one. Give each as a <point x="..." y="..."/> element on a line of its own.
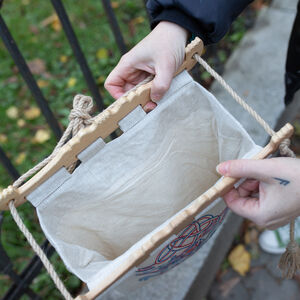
<point x="189" y="240"/>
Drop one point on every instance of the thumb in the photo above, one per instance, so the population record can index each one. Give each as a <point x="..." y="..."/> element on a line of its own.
<point x="162" y="80"/>
<point x="249" y="168"/>
<point x="246" y="207"/>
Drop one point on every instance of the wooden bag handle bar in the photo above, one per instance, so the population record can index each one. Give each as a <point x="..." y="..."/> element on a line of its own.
<point x="104" y="124"/>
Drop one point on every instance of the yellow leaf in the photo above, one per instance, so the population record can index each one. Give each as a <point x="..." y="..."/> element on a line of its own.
<point x="52" y="20"/>
<point x="63" y="58"/>
<point x="41" y="136"/>
<point x="138" y="20"/>
<point x="32" y="113"/>
<point x="3" y="138"/>
<point x="102" y="53"/>
<point x="114" y="4"/>
<point x="42" y="83"/>
<point x="25" y="2"/>
<point x="71" y="82"/>
<point x="239" y="258"/>
<point x="247" y="237"/>
<point x="12" y="112"/>
<point x="20" y="158"/>
<point x="101" y="79"/>
<point x="56" y="25"/>
<point x="21" y="123"/>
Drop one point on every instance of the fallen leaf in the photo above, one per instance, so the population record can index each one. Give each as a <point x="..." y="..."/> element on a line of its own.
<point x="71" y="82"/>
<point x="101" y="79"/>
<point x="138" y="20"/>
<point x="52" y="20"/>
<point x="114" y="4"/>
<point x="42" y="83"/>
<point x="20" y="158"/>
<point x="82" y="25"/>
<point x="63" y="58"/>
<point x="258" y="4"/>
<point x="21" y="123"/>
<point x="32" y="113"/>
<point x="239" y="258"/>
<point x="3" y="138"/>
<point x="56" y="25"/>
<point x="12" y="79"/>
<point x="41" y="136"/>
<point x="102" y="53"/>
<point x="12" y="112"/>
<point x="37" y="66"/>
<point x="34" y="29"/>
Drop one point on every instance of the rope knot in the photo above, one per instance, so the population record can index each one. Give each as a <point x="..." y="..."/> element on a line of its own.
<point x="292" y="247"/>
<point x="80" y="114"/>
<point x="284" y="148"/>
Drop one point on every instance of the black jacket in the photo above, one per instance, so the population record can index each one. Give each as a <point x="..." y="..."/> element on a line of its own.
<point x="208" y="19"/>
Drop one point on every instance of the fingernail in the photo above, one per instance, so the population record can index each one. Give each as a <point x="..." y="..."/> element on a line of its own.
<point x="222" y="168"/>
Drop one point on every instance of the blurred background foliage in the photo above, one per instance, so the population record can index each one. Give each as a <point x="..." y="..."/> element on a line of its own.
<point x="24" y="133"/>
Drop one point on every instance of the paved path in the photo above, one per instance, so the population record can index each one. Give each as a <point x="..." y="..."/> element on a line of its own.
<point x="262" y="283"/>
<point x="263" y="70"/>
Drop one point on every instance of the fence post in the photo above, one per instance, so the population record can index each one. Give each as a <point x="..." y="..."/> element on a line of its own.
<point x="64" y="19"/>
<point x="14" y="51"/>
<point x="114" y="26"/>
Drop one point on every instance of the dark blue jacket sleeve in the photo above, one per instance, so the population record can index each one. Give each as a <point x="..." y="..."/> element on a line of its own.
<point x="208" y="19"/>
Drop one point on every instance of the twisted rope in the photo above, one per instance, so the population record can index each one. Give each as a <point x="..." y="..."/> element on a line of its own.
<point x="37" y="249"/>
<point x="79" y="118"/>
<point x="234" y="95"/>
<point x="290" y="260"/>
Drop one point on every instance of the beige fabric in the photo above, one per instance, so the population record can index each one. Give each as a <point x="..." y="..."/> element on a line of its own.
<point x="129" y="187"/>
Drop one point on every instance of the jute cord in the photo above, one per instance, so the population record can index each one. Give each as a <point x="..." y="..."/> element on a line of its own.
<point x="79" y="118"/>
<point x="290" y="260"/>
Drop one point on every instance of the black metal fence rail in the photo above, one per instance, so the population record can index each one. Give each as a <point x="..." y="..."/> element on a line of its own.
<point x="21" y="282"/>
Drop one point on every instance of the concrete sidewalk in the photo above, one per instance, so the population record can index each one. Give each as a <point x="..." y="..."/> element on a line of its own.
<point x="255" y="71"/>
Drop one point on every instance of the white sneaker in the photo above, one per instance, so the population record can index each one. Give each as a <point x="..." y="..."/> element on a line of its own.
<point x="275" y="241"/>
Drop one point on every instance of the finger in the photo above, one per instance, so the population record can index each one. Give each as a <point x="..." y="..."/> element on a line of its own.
<point x="149" y="106"/>
<point x="163" y="77"/>
<point x="243" y="206"/>
<point x="115" y="84"/>
<point x="249" y="168"/>
<point x="248" y="187"/>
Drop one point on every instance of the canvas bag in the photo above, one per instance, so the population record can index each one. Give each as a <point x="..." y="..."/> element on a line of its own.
<point x="126" y="190"/>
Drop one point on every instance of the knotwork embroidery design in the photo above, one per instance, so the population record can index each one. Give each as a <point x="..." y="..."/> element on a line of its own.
<point x="188" y="241"/>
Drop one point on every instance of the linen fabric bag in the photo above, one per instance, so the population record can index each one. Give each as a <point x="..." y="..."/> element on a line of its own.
<point x="126" y="190"/>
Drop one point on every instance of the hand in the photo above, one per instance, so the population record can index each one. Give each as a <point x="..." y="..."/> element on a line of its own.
<point x="275" y="180"/>
<point x="160" y="53"/>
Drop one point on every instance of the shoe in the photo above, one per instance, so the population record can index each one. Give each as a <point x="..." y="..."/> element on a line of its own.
<point x="275" y="241"/>
<point x="292" y="84"/>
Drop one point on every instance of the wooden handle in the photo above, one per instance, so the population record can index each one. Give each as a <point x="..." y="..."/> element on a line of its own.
<point x="185" y="217"/>
<point x="105" y="123"/>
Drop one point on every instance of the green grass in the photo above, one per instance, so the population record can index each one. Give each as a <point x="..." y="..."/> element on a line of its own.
<point x="57" y="68"/>
<point x="24" y="18"/>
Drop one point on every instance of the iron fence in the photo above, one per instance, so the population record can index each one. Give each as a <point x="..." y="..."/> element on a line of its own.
<point x="21" y="282"/>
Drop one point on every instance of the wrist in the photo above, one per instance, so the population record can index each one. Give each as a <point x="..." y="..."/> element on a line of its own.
<point x="174" y="29"/>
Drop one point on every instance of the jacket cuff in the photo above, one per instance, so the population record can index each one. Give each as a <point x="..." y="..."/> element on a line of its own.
<point x="180" y="18"/>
